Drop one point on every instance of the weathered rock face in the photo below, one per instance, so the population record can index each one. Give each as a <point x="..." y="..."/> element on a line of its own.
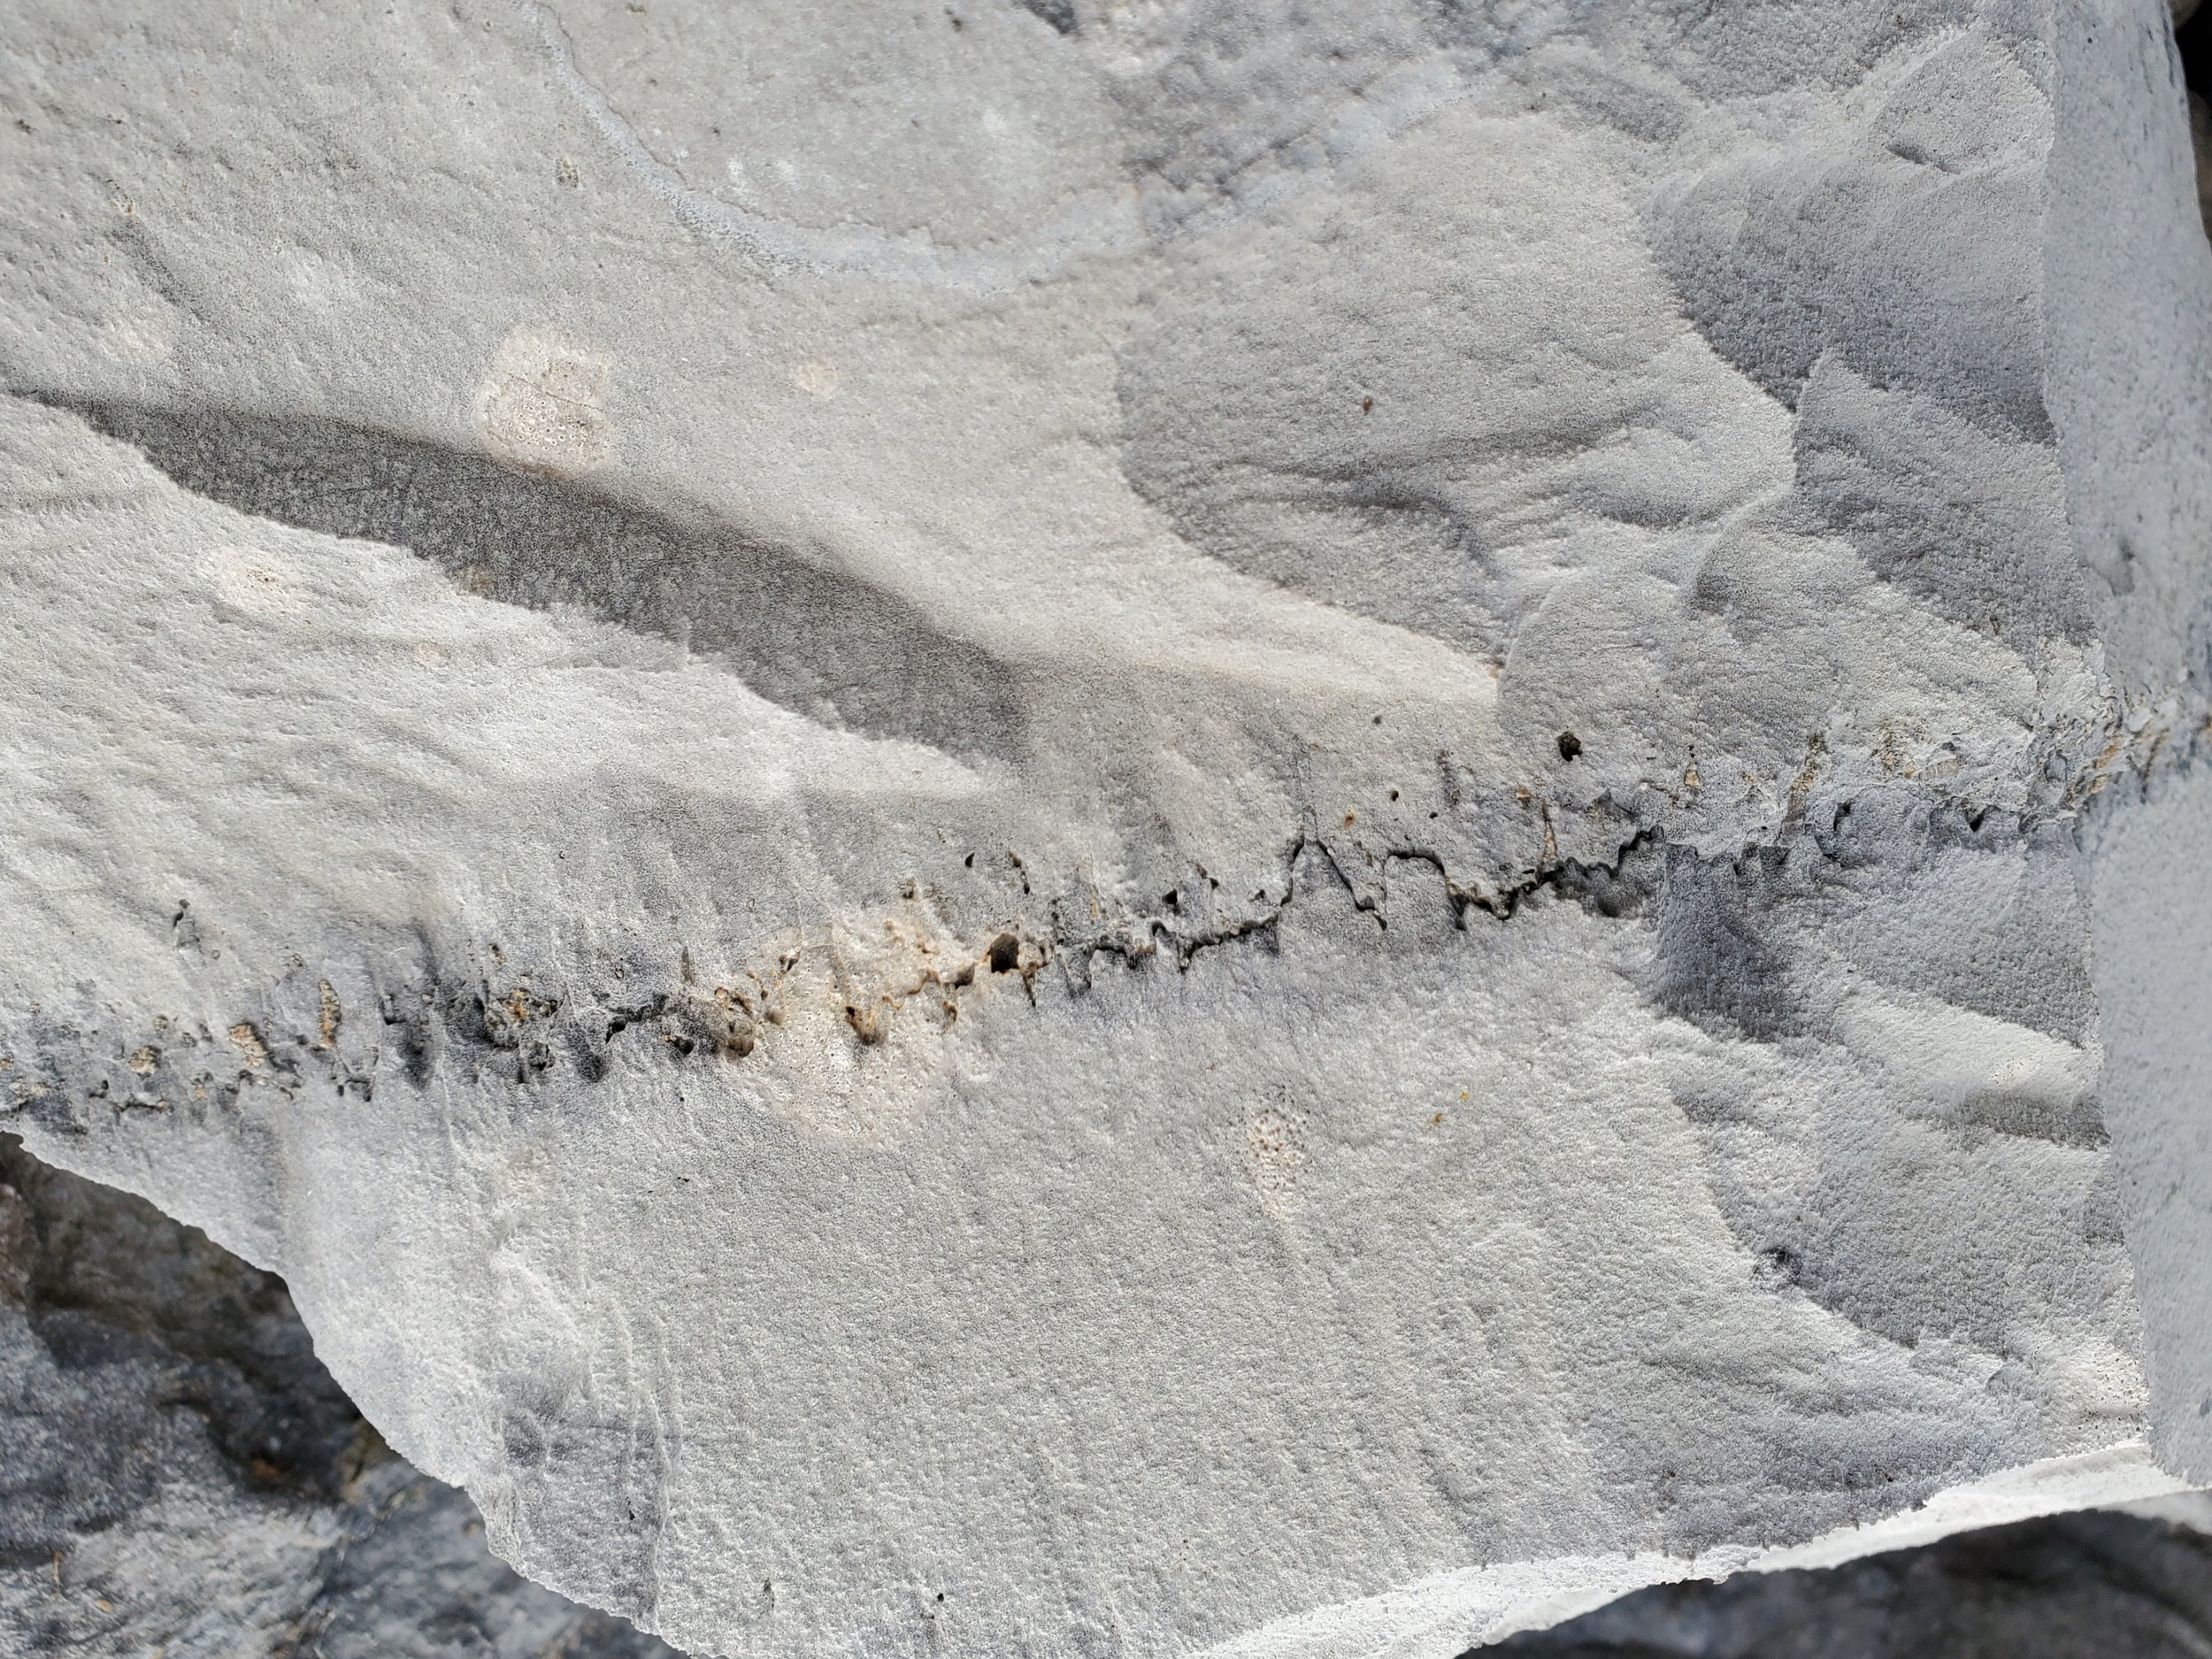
<point x="177" y="1475"/>
<point x="2067" y="1586"/>
<point x="1134" y="827"/>
<point x="182" y="1477"/>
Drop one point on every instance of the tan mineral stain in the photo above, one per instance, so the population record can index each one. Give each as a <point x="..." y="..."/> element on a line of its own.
<point x="846" y="1033"/>
<point x="543" y="402"/>
<point x="248" y="1041"/>
<point x="139" y="337"/>
<point x="256" y="581"/>
<point x="816" y="377"/>
<point x="1274" y="1159"/>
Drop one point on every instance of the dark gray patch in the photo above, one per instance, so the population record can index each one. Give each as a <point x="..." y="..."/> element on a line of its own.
<point x="1876" y="1226"/>
<point x="1991" y="919"/>
<point x="819" y="641"/>
<point x="162" y="273"/>
<point x="1744" y="48"/>
<point x="1722" y="962"/>
<point x="1241" y="87"/>
<point x="1973" y="524"/>
<point x="551" y="1437"/>
<point x="2077" y="1123"/>
<point x="1750" y="47"/>
<point x="2073" y="1587"/>
<point x="1912" y="276"/>
<point x="1366" y="527"/>
<point x="2101" y="1220"/>
<point x="1059" y="13"/>
<point x="411" y="1032"/>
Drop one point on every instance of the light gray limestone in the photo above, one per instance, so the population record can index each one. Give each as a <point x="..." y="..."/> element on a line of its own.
<point x="1133" y="827"/>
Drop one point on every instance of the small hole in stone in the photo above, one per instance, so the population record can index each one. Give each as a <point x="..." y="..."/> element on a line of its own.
<point x="1570" y="746"/>
<point x="1005" y="953"/>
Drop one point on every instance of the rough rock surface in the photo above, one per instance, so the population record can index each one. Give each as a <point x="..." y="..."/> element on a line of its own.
<point x="1289" y="826"/>
<point x="2070" y="1586"/>
<point x="180" y="1476"/>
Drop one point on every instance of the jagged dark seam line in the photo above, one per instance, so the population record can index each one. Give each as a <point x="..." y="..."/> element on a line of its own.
<point x="1185" y="947"/>
<point x="1502" y="904"/>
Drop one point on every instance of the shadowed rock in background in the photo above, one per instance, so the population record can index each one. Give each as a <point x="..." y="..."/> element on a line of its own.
<point x="2093" y="1586"/>
<point x="180" y="1475"/>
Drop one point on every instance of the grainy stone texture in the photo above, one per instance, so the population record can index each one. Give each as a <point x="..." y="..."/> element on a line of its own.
<point x="1124" y="828"/>
<point x="183" y="1477"/>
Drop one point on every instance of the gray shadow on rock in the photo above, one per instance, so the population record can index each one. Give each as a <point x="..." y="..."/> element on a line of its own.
<point x="821" y="641"/>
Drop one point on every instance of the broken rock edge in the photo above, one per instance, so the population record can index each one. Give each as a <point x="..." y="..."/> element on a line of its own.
<point x="61" y="1070"/>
